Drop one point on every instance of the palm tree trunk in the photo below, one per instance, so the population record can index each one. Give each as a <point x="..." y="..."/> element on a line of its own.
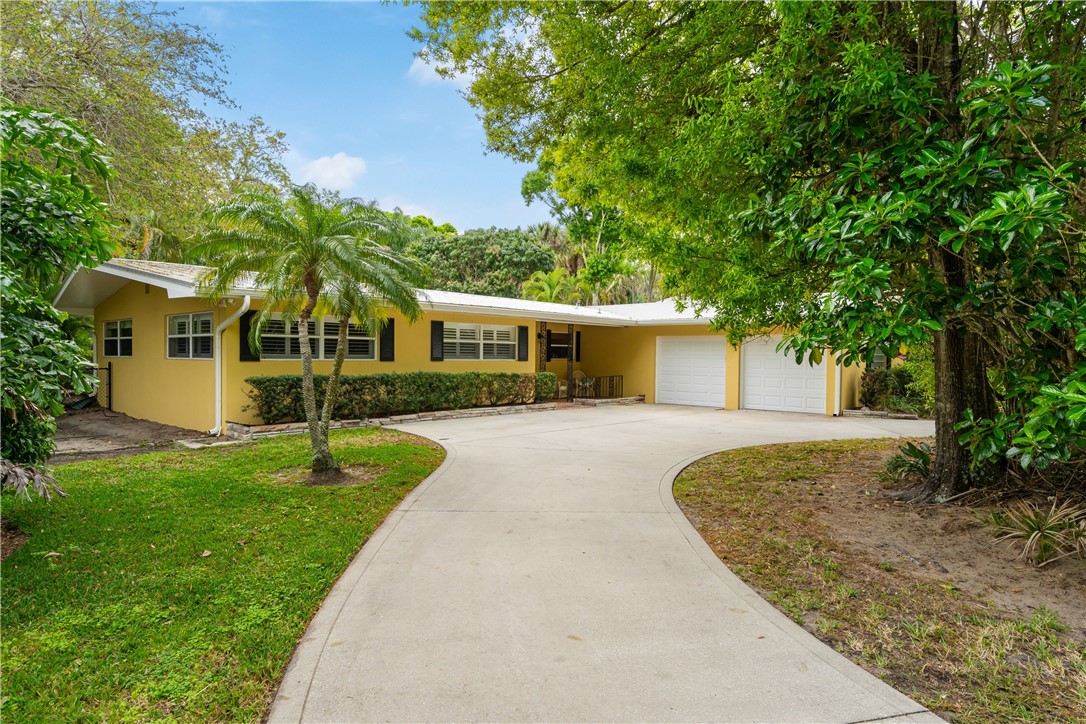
<point x="331" y="390"/>
<point x="322" y="455"/>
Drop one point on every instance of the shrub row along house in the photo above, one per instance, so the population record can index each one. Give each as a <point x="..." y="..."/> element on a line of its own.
<point x="180" y="359"/>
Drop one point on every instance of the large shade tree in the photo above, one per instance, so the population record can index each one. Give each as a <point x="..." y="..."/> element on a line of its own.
<point x="312" y="253"/>
<point x="145" y="84"/>
<point x="863" y="174"/>
<point x="51" y="223"/>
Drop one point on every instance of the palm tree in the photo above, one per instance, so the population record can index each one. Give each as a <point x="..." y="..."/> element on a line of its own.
<point x="148" y="234"/>
<point x="554" y="286"/>
<point x="310" y="251"/>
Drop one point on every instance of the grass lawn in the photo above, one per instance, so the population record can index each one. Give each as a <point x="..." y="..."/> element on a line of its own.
<point x="784" y="517"/>
<point x="176" y="585"/>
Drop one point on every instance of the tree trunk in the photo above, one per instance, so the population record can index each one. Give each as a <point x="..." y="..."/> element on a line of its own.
<point x="961" y="381"/>
<point x="331" y="390"/>
<point x="322" y="456"/>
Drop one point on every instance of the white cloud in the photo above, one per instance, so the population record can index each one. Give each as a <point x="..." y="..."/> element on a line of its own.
<point x="425" y="74"/>
<point x="339" y="172"/>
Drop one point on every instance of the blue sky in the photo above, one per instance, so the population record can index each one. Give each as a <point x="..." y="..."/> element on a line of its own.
<point x="361" y="113"/>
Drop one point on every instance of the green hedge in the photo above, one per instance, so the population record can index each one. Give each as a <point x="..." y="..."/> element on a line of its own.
<point x="279" y="398"/>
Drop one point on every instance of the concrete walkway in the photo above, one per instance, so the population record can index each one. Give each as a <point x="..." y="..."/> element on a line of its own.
<point x="544" y="573"/>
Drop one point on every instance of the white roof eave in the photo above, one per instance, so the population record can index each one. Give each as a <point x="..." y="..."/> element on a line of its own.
<point x="177" y="288"/>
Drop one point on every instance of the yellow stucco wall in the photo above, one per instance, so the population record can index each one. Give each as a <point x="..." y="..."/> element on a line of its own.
<point x="182" y="392"/>
<point x="412" y="355"/>
<point x="850" y="386"/>
<point x="631" y="352"/>
<point x="148" y="385"/>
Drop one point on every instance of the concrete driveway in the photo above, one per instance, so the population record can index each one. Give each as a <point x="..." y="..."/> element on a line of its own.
<point x="544" y="573"/>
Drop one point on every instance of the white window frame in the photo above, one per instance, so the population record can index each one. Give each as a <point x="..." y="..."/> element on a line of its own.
<point x="479" y="337"/>
<point x="117" y="337"/>
<point x="323" y="336"/>
<point x="191" y="335"/>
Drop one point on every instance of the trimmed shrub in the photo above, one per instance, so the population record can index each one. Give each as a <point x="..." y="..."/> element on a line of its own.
<point x="279" y="398"/>
<point x="546" y="384"/>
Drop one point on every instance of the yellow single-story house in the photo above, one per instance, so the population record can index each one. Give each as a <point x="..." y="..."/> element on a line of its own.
<point x="181" y="359"/>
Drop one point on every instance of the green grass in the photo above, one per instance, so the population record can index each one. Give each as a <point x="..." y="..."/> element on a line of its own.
<point x="942" y="647"/>
<point x="134" y="622"/>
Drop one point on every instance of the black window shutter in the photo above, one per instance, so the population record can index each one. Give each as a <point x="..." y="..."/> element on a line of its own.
<point x="577" y="347"/>
<point x="437" y="341"/>
<point x="522" y="344"/>
<point x="388" y="341"/>
<point x="548" y="345"/>
<point x="245" y="324"/>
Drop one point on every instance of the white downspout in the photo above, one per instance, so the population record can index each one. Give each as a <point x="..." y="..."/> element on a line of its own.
<point x="217" y="430"/>
<point x="837" y="390"/>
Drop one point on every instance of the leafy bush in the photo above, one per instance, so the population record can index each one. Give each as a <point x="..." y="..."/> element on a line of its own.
<point x="920" y="366"/>
<point x="279" y="398"/>
<point x="879" y="384"/>
<point x="914" y="461"/>
<point x="1046" y="536"/>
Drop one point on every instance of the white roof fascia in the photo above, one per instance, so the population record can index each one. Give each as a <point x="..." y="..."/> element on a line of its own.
<point x="174" y="289"/>
<point x="493" y="306"/>
<point x="494" y="311"/>
<point x="63" y="287"/>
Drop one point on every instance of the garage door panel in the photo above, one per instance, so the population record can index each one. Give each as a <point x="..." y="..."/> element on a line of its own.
<point x="690" y="371"/>
<point x="774" y="381"/>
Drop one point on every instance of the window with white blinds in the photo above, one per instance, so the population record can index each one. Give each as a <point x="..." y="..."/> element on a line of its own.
<point x="190" y="336"/>
<point x="479" y="341"/>
<point x="280" y="341"/>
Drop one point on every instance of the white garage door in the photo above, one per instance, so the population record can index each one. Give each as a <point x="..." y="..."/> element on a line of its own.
<point x="773" y="381"/>
<point x="690" y="370"/>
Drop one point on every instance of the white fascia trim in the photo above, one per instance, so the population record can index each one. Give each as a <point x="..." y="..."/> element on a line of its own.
<point x="572" y="318"/>
<point x="174" y="289"/>
<point x="63" y="287"/>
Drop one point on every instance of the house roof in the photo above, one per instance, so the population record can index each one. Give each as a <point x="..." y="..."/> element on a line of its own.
<point x="84" y="289"/>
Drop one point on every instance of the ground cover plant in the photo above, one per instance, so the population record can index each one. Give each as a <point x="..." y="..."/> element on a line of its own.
<point x="922" y="596"/>
<point x="174" y="586"/>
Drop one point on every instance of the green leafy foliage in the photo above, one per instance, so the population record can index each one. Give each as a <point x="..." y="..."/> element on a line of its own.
<point x="913" y="462"/>
<point x="50" y="222"/>
<point x="1045" y="535"/>
<point x="866" y="176"/>
<point x="554" y="286"/>
<point x="482" y="261"/>
<point x="279" y="398"/>
<point x="141" y="82"/>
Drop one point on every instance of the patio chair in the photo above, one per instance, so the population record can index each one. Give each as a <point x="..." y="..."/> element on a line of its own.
<point x="583" y="385"/>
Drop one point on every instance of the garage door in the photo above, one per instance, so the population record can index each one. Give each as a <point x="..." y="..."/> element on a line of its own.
<point x="772" y="380"/>
<point x="690" y="370"/>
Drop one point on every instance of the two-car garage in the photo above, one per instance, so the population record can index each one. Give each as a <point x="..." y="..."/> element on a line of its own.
<point x="694" y="371"/>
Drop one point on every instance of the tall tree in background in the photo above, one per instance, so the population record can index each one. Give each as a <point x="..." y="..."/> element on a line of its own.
<point x="482" y="261"/>
<point x="865" y="174"/>
<point x="310" y="252"/>
<point x="554" y="286"/>
<point x="136" y="78"/>
<point x="51" y="222"/>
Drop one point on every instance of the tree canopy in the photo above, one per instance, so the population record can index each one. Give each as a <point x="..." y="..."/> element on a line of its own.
<point x="138" y="80"/>
<point x="863" y="175"/>
<point x="49" y="219"/>
<point x="482" y="261"/>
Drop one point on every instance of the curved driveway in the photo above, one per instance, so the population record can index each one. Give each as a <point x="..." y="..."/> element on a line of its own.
<point x="544" y="573"/>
